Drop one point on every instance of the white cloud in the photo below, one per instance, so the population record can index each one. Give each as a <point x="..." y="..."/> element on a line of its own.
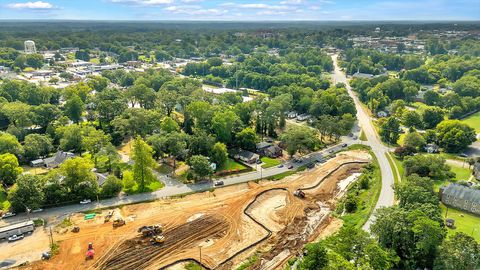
<point x="38" y="5"/>
<point x="291" y="2"/>
<point x="143" y="2"/>
<point x="195" y="10"/>
<point x="256" y="6"/>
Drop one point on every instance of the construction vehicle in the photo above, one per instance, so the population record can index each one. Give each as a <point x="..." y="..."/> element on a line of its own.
<point x="299" y="193"/>
<point x="76" y="229"/>
<point x="118" y="222"/>
<point x="90" y="252"/>
<point x="157" y="239"/>
<point x="108" y="217"/>
<point x="150" y="230"/>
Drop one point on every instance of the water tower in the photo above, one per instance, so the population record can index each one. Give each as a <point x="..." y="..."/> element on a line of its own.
<point x="30" y="47"/>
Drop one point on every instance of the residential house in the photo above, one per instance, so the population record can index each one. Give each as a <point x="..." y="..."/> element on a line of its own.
<point x="247" y="156"/>
<point x="461" y="197"/>
<point x="362" y="75"/>
<point x="303" y="117"/>
<point x="476" y="170"/>
<point x="381" y="114"/>
<point x="269" y="150"/>
<point x="291" y="114"/>
<point x="53" y="161"/>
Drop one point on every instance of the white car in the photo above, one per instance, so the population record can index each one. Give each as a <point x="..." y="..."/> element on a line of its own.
<point x="86" y="201"/>
<point x="8" y="214"/>
<point x="37" y="210"/>
<point x="15" y="237"/>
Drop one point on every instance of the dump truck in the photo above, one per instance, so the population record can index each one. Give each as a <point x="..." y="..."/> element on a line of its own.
<point x="299" y="193"/>
<point x="150" y="230"/>
<point x="118" y="222"/>
<point x="108" y="217"/>
<point x="157" y="239"/>
<point x="90" y="252"/>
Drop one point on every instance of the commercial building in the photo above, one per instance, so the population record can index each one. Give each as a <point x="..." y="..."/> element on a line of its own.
<point x="17" y="229"/>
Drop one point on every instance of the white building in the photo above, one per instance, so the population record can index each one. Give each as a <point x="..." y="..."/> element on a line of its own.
<point x="30" y="46"/>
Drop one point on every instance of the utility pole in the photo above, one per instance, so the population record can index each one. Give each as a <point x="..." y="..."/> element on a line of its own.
<point x="51" y="236"/>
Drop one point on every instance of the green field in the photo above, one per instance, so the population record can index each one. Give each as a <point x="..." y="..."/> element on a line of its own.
<point x="231" y="165"/>
<point x="155" y="185"/>
<point x="270" y="162"/>
<point x="464" y="222"/>
<point x="473" y="121"/>
<point x="4" y="204"/>
<point x="461" y="173"/>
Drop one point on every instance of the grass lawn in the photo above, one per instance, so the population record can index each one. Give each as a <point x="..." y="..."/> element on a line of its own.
<point x="232" y="165"/>
<point x="363" y="137"/>
<point x="396" y="179"/>
<point x="95" y="60"/>
<point x="461" y="173"/>
<point x="473" y="121"/>
<point x="270" y="162"/>
<point x="467" y="224"/>
<point x="366" y="199"/>
<point x="155" y="185"/>
<point x="34" y="171"/>
<point x="164" y="169"/>
<point x="281" y="175"/>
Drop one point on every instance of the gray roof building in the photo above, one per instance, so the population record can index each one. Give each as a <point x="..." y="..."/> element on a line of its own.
<point x="462" y="197"/>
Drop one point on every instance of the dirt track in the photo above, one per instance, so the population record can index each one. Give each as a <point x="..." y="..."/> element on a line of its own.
<point x="216" y="221"/>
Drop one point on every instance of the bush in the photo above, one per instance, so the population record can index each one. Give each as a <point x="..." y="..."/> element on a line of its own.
<point x="351" y="203"/>
<point x="111" y="187"/>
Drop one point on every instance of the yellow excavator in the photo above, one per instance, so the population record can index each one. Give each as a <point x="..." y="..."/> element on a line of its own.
<point x="108" y="217"/>
<point x="157" y="239"/>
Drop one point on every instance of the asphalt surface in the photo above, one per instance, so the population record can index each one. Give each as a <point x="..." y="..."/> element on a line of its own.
<point x="386" y="197"/>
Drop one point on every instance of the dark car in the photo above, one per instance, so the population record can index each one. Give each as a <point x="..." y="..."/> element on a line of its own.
<point x="344" y="145"/>
<point x="259" y="161"/>
<point x="310" y="165"/>
<point x="218" y="183"/>
<point x="290" y="167"/>
<point x="280" y="166"/>
<point x="462" y="155"/>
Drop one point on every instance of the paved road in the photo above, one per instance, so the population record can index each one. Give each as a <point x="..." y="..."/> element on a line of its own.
<point x="173" y="187"/>
<point x="386" y="195"/>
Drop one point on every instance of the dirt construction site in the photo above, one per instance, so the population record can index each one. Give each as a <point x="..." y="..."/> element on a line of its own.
<point x="219" y="229"/>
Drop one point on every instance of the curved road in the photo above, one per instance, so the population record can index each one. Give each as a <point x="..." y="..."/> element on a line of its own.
<point x="386" y="197"/>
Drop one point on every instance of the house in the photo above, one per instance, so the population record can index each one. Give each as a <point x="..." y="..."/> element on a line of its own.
<point x="303" y="117"/>
<point x="381" y="114"/>
<point x="432" y="148"/>
<point x="101" y="178"/>
<point x="269" y="150"/>
<point x="56" y="160"/>
<point x="362" y="75"/>
<point x="247" y="156"/>
<point x="291" y="114"/>
<point x="461" y="197"/>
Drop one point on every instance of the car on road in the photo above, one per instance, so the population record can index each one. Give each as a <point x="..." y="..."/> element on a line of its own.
<point x="37" y="210"/>
<point x="330" y="151"/>
<point x="344" y="145"/>
<point x="259" y="161"/>
<point x="310" y="165"/>
<point x="8" y="214"/>
<point x="15" y="237"/>
<point x="462" y="155"/>
<point x="218" y="183"/>
<point x="290" y="167"/>
<point x="86" y="201"/>
<point x="280" y="166"/>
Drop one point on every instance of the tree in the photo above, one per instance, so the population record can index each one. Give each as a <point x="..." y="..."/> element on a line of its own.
<point x="412" y="119"/>
<point x="389" y="130"/>
<point x="127" y="180"/>
<point x="224" y="125"/>
<point x="200" y="165"/>
<point x="26" y="193"/>
<point x="414" y="140"/>
<point x="454" y="136"/>
<point x="415" y="190"/>
<point x="44" y="114"/>
<point x="459" y="251"/>
<point x="143" y="163"/>
<point x="200" y="143"/>
<point x="219" y="154"/>
<point x="107" y="157"/>
<point x="9" y="168"/>
<point x="37" y="145"/>
<point x="299" y="139"/>
<point x="432" y="116"/>
<point x="10" y="144"/>
<point x="71" y="138"/>
<point x="432" y="166"/>
<point x="316" y="257"/>
<point x="169" y="125"/>
<point x="246" y="139"/>
<point x="79" y="179"/>
<point x="18" y="113"/>
<point x="74" y="108"/>
<point x="54" y="80"/>
<point x="93" y="140"/>
<point x="111" y="187"/>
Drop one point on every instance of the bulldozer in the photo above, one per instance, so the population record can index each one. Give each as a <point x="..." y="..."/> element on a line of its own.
<point x="118" y="222"/>
<point x="299" y="193"/>
<point x="150" y="230"/>
<point x="157" y="239"/>
<point x="108" y="217"/>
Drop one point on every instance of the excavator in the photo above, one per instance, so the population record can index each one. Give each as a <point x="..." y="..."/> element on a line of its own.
<point x="150" y="230"/>
<point x="108" y="217"/>
<point x="299" y="193"/>
<point x="157" y="239"/>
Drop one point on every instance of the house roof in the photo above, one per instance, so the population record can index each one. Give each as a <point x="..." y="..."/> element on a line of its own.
<point x="476" y="166"/>
<point x="262" y="145"/>
<point x="247" y="154"/>
<point x="462" y="192"/>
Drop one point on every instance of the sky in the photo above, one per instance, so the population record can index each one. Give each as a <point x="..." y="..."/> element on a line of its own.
<point x="240" y="10"/>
